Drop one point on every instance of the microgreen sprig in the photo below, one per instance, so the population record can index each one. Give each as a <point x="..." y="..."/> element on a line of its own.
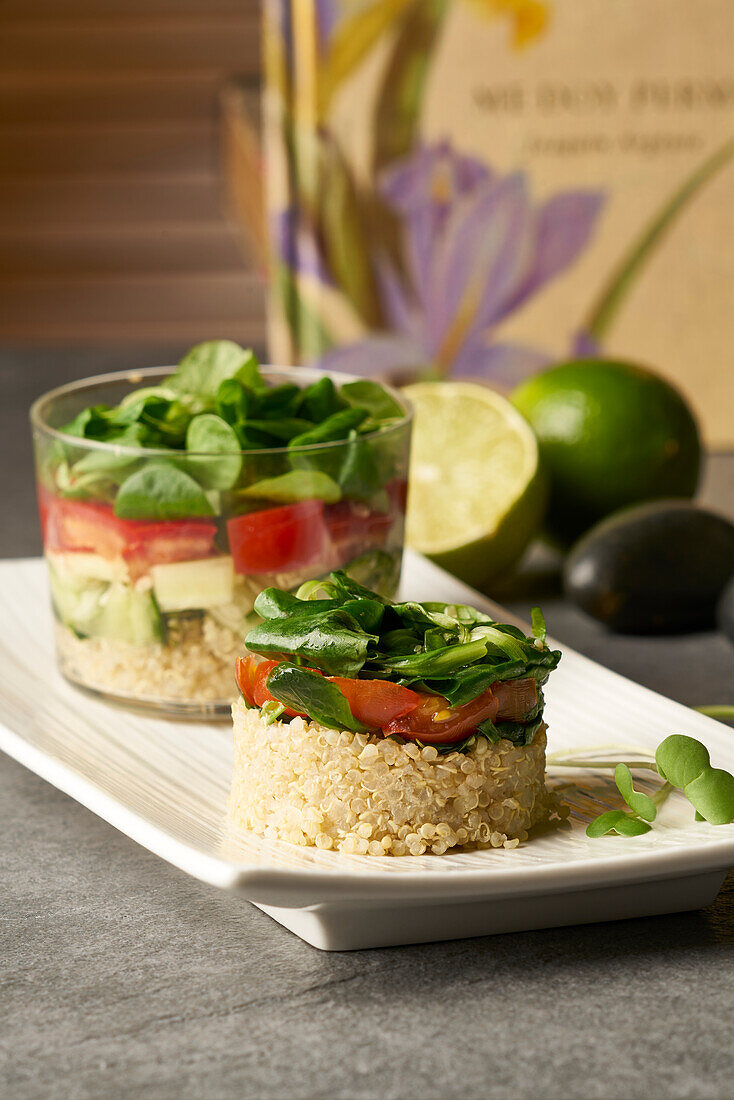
<point x="537" y="621"/>
<point x="619" y="822"/>
<point x="641" y="804"/>
<point x="685" y="765"/>
<point x="271" y="711"/>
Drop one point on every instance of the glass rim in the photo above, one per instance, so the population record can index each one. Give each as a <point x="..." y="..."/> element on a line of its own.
<point x="139" y="375"/>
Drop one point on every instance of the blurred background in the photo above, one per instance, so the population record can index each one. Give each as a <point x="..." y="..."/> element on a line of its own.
<point x="120" y="241"/>
<point x="115" y="224"/>
<point x="461" y="188"/>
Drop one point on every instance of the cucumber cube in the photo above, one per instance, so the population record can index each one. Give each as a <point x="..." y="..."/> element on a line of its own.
<point x="193" y="585"/>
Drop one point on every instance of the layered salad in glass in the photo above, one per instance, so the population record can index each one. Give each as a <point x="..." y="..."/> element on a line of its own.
<point x="170" y="499"/>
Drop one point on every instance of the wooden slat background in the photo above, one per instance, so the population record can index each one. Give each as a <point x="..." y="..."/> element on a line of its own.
<point x="67" y="44"/>
<point x="188" y="246"/>
<point x="147" y="199"/>
<point x="113" y="221"/>
<point x="37" y="9"/>
<point x="152" y="306"/>
<point x="93" y="98"/>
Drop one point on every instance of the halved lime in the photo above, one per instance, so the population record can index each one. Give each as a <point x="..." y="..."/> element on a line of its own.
<point x="476" y="496"/>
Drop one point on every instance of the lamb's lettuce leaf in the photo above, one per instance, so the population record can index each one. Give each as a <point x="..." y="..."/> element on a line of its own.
<point x="308" y="693"/>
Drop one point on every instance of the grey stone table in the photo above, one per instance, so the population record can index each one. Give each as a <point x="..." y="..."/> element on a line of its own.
<point x="123" y="977"/>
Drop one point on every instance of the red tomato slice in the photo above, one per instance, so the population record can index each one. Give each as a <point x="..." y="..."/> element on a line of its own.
<point x="516" y="698"/>
<point x="382" y="705"/>
<point x="85" y="525"/>
<point x="375" y="703"/>
<point x="82" y="525"/>
<point x="372" y="702"/>
<point x="435" y="721"/>
<point x="278" y="539"/>
<point x="251" y="673"/>
<point x="397" y="490"/>
<point x="169" y="541"/>
<point x="246" y="675"/>
<point x="354" y="529"/>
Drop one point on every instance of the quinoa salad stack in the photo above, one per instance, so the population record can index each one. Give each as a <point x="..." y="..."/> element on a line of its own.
<point x="375" y="728"/>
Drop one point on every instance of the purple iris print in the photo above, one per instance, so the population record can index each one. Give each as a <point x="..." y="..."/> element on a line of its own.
<point x="296" y="244"/>
<point x="474" y="249"/>
<point x="327" y="16"/>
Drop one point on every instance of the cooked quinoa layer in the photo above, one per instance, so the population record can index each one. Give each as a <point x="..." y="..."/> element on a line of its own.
<point x="194" y="666"/>
<point x="369" y="795"/>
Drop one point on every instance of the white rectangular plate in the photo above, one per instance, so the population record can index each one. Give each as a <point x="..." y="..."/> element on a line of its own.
<point x="165" y="785"/>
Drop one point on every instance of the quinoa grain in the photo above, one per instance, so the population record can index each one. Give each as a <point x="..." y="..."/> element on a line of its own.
<point x="195" y="665"/>
<point x="363" y="795"/>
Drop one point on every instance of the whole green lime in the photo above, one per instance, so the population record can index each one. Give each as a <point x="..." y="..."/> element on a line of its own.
<point x="611" y="434"/>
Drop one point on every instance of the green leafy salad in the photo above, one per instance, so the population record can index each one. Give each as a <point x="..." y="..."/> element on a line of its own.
<point x="440" y="674"/>
<point x="187" y="497"/>
<point x="215" y="405"/>
<point x="166" y="508"/>
<point x="433" y="673"/>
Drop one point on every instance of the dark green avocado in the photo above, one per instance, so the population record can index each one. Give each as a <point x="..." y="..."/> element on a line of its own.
<point x="725" y="611"/>
<point x="653" y="569"/>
